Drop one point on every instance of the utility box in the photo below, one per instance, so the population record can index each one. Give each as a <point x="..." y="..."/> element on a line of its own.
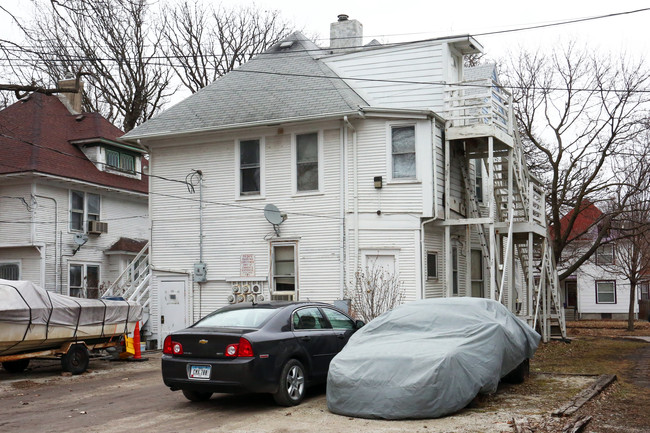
<point x="200" y="273"/>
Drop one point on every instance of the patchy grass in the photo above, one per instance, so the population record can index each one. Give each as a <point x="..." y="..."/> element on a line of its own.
<point x="584" y="356"/>
<point x="606" y="328"/>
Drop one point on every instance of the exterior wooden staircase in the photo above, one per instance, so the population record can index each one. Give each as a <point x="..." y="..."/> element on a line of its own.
<point x="514" y="237"/>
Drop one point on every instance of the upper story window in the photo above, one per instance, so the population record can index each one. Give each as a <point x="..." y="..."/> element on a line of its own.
<point x="84" y="206"/>
<point x="605" y="254"/>
<point x="307" y="162"/>
<point x="403" y="152"/>
<point x="249" y="167"/>
<point x="120" y="160"/>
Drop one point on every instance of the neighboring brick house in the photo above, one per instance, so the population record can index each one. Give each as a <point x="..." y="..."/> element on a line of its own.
<point x="69" y="191"/>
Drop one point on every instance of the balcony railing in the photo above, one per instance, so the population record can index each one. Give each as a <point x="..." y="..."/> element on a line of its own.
<point x="479" y="102"/>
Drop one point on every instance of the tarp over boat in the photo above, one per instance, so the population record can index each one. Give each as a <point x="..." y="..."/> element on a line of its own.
<point x="28" y="312"/>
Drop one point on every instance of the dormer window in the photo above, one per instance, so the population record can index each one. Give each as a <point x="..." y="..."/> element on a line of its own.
<point x="120" y="160"/>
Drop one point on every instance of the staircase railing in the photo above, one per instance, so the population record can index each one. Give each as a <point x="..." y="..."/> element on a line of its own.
<point x="479" y="102"/>
<point x="133" y="283"/>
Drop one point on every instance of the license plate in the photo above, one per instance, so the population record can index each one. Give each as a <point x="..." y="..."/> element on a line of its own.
<point x="200" y="371"/>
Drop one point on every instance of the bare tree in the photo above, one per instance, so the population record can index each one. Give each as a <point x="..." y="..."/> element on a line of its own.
<point x="376" y="291"/>
<point x="578" y="112"/>
<point x="203" y="43"/>
<point x="112" y="40"/>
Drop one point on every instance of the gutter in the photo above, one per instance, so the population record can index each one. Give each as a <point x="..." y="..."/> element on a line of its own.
<point x="268" y="122"/>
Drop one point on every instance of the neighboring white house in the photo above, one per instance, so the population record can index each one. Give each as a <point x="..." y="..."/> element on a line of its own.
<point x="369" y="156"/>
<point x="599" y="288"/>
<point x="73" y="202"/>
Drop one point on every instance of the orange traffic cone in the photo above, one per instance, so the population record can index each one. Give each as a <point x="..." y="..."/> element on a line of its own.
<point x="136" y="341"/>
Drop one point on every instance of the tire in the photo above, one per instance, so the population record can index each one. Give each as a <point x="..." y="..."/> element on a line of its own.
<point x="76" y="360"/>
<point x="291" y="390"/>
<point x="519" y="374"/>
<point x="15" y="366"/>
<point x="196" y="395"/>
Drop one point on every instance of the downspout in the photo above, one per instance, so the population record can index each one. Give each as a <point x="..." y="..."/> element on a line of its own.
<point x="56" y="229"/>
<point x="355" y="192"/>
<point x="342" y="205"/>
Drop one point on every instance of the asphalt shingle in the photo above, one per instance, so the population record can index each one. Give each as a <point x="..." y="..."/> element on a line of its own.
<point x="282" y="83"/>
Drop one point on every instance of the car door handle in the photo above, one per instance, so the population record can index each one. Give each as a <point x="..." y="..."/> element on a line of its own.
<point x="305" y="338"/>
<point x="341" y="336"/>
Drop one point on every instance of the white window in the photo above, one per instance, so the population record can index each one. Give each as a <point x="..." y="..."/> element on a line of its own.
<point x="307" y="162"/>
<point x="10" y="271"/>
<point x="380" y="261"/>
<point x="403" y="152"/>
<point x="432" y="265"/>
<point x="84" y="207"/>
<point x="284" y="268"/>
<point x="83" y="280"/>
<point x="478" y="170"/>
<point x="605" y="254"/>
<point x="249" y="167"/>
<point x="454" y="270"/>
<point x="477" y="273"/>
<point x="605" y="292"/>
<point x="120" y="160"/>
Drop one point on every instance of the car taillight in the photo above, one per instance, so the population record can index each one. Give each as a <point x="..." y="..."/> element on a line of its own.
<point x="242" y="350"/>
<point x="172" y="347"/>
<point x="245" y="348"/>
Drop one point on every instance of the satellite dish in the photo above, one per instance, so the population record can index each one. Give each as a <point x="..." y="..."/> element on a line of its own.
<point x="80" y="238"/>
<point x="273" y="215"/>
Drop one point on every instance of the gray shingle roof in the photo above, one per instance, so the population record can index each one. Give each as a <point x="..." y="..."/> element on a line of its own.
<point x="282" y="83"/>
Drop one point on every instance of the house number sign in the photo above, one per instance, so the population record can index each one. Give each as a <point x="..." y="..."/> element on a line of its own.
<point x="247" y="265"/>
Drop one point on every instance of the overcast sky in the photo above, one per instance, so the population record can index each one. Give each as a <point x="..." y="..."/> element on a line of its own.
<point x="395" y="21"/>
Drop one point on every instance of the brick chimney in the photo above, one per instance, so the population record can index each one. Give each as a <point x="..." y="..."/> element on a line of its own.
<point x="70" y="99"/>
<point x="346" y="33"/>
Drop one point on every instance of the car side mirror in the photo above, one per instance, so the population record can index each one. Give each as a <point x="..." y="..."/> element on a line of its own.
<point x="359" y="324"/>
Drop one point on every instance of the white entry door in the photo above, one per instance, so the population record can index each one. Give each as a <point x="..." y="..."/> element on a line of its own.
<point x="172" y="305"/>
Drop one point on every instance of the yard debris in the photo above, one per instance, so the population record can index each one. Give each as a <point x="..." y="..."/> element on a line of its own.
<point x="577" y="425"/>
<point x="585" y="395"/>
<point x="521" y="425"/>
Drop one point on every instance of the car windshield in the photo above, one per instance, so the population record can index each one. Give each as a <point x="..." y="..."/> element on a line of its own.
<point x="241" y="318"/>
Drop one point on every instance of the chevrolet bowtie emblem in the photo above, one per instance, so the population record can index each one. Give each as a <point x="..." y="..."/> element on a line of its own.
<point x="203" y="341"/>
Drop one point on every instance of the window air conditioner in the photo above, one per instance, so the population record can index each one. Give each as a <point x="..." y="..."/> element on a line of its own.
<point x="97" y="227"/>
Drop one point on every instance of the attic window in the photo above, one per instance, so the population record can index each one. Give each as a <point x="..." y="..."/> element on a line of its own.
<point x="286" y="44"/>
<point x="120" y="160"/>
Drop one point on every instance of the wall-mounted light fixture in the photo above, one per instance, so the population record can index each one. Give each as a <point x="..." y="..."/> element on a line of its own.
<point x="378" y="182"/>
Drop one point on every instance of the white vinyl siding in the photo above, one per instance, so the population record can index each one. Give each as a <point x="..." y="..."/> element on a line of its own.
<point x="410" y="63"/>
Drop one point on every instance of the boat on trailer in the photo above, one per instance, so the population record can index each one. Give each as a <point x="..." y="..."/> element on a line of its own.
<point x="36" y="322"/>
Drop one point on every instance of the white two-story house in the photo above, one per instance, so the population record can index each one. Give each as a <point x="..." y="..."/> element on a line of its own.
<point x="73" y="200"/>
<point x="307" y="165"/>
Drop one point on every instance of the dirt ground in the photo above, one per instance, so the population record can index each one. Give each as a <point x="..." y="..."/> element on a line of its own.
<point x="119" y="396"/>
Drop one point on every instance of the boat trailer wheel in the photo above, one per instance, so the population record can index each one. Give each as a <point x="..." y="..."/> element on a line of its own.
<point x="76" y="360"/>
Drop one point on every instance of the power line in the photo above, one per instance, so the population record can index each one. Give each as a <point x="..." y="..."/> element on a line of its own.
<point x="216" y="203"/>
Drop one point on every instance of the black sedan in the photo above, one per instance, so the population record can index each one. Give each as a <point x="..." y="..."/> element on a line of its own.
<point x="273" y="347"/>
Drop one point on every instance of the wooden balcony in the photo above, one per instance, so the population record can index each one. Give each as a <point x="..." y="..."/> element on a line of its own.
<point x="476" y="110"/>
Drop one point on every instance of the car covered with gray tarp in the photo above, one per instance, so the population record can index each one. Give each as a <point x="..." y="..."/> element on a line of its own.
<point x="428" y="358"/>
